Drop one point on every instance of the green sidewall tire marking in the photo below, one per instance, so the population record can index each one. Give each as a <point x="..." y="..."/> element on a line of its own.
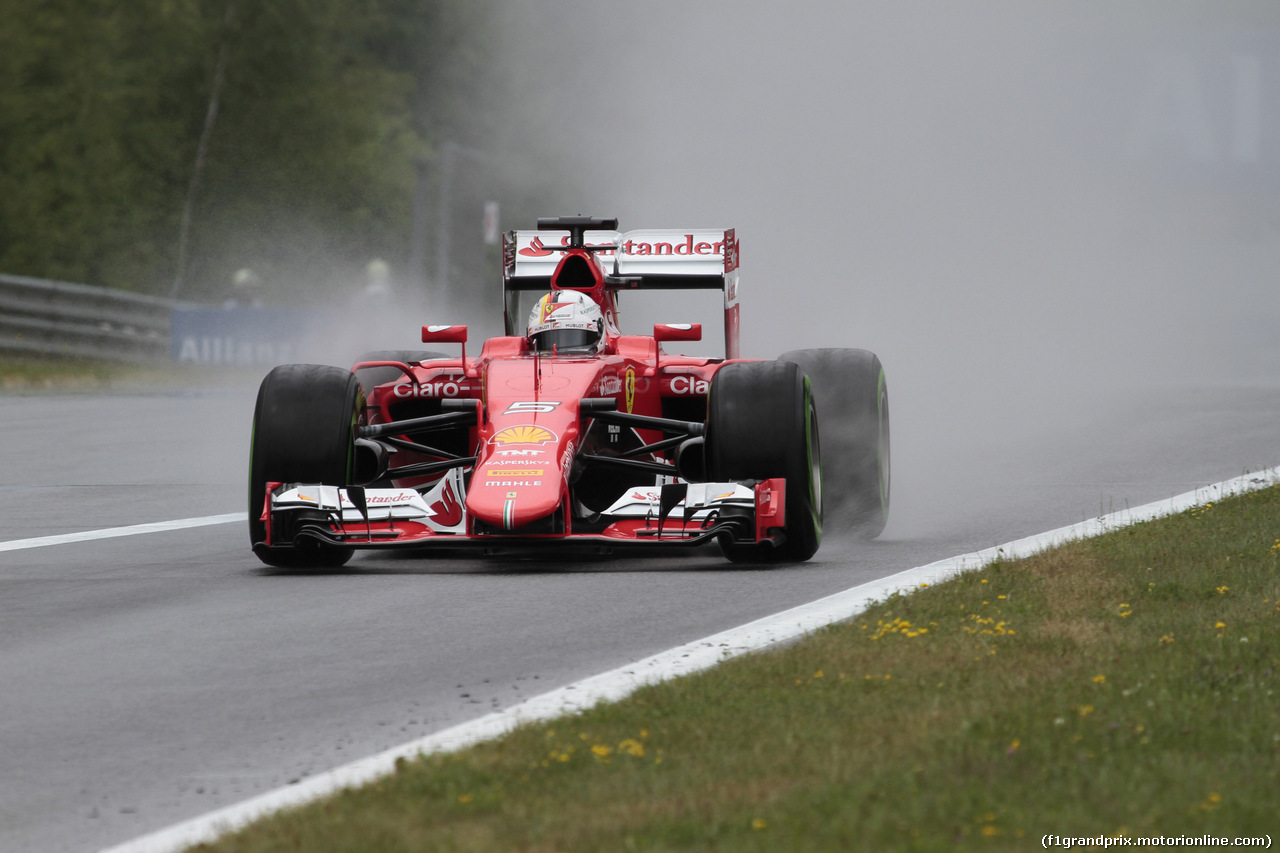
<point x="815" y="475"/>
<point x="880" y="466"/>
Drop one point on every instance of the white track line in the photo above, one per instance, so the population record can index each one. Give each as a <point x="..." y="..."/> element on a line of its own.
<point x="683" y="660"/>
<point x="113" y="532"/>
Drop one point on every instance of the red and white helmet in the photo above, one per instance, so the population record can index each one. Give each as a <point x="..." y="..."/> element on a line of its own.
<point x="567" y="320"/>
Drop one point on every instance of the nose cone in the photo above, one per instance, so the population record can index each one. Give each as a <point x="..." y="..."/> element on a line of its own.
<point x="521" y="480"/>
<point x="528" y="442"/>
<point x="509" y="499"/>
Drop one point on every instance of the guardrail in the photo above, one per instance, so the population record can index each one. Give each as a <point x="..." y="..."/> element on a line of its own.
<point x="58" y="318"/>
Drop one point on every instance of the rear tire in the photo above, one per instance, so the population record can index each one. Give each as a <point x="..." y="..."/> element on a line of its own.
<point x="304" y="428"/>
<point x="762" y="423"/>
<point x="850" y="387"/>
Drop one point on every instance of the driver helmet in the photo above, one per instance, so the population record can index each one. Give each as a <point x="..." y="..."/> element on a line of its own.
<point x="567" y="320"/>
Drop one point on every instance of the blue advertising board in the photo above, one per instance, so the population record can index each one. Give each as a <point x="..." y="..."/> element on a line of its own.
<point x="238" y="336"/>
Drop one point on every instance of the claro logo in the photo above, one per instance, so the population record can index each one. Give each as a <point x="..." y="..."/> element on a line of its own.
<point x="689" y="385"/>
<point x="430" y="389"/>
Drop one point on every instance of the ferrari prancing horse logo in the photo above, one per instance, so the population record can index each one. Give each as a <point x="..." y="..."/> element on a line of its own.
<point x="630" y="382"/>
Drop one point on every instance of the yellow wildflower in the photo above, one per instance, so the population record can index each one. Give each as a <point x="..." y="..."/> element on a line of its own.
<point x="632" y="747"/>
<point x="1211" y="802"/>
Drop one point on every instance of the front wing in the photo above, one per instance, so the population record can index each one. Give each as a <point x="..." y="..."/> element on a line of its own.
<point x="669" y="516"/>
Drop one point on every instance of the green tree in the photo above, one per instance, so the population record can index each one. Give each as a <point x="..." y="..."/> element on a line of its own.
<point x="310" y="168"/>
<point x="324" y="106"/>
<point x="88" y="130"/>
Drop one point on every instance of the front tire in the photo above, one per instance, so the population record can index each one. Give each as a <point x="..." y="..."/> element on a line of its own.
<point x="304" y="429"/>
<point x="762" y="423"/>
<point x="850" y="387"/>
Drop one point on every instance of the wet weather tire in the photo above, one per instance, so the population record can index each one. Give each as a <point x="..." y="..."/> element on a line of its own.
<point x="761" y="424"/>
<point x="304" y="427"/>
<point x="849" y="386"/>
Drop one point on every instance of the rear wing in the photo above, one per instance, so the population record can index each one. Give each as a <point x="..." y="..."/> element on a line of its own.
<point x="648" y="259"/>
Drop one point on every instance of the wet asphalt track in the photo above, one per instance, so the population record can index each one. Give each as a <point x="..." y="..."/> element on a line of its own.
<point x="148" y="679"/>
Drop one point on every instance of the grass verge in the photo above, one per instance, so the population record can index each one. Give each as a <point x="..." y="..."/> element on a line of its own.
<point x="1123" y="685"/>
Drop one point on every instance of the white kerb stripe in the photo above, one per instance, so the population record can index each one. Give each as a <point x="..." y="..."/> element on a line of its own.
<point x="131" y="530"/>
<point x="693" y="657"/>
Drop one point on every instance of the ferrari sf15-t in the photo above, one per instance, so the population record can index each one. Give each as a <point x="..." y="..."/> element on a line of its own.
<point x="567" y="432"/>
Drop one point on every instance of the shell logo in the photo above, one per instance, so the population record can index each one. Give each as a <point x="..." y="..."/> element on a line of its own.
<point x="524" y="435"/>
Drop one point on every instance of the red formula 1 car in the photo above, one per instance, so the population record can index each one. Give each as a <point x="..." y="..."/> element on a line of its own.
<point x="566" y="432"/>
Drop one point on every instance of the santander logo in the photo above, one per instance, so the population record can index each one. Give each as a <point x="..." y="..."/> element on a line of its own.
<point x="535" y="249"/>
<point x="448" y="510"/>
<point x="538" y="249"/>
<point x="684" y="246"/>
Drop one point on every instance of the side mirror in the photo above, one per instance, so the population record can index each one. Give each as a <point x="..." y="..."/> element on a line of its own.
<point x="448" y="335"/>
<point x="677" y="332"/>
<point x="444" y="334"/>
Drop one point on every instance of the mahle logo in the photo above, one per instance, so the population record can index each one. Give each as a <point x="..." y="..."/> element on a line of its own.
<point x="524" y="435"/>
